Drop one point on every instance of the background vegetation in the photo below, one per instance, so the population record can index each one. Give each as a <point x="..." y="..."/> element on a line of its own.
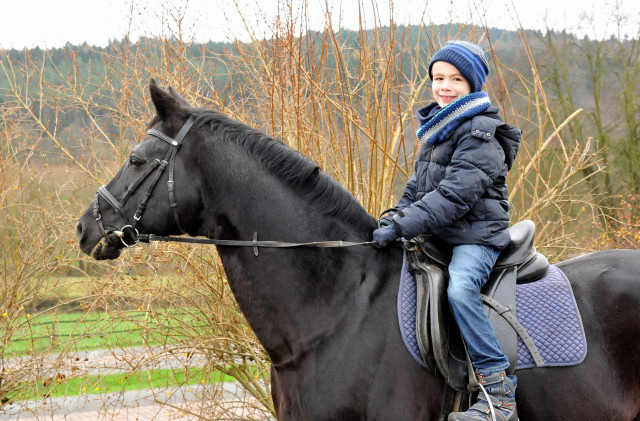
<point x="70" y="116"/>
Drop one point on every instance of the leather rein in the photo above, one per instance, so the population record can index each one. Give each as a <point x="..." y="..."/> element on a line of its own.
<point x="129" y="236"/>
<point x="255" y="243"/>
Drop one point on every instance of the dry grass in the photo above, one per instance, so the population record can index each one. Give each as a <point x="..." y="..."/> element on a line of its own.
<point x="344" y="99"/>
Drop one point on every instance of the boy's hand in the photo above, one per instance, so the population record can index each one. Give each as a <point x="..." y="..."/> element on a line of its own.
<point x="385" y="235"/>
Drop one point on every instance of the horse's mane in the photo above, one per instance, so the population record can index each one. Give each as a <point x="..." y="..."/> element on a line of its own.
<point x="300" y="172"/>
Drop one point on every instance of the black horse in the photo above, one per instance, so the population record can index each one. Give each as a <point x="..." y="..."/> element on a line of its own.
<point x="327" y="316"/>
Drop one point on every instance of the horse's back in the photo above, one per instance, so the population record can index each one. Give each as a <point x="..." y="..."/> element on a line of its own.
<point x="606" y="285"/>
<point x="606" y="385"/>
<point x="607" y="280"/>
<point x="619" y="262"/>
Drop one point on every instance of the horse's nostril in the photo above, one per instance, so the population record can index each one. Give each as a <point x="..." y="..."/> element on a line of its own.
<point x="79" y="230"/>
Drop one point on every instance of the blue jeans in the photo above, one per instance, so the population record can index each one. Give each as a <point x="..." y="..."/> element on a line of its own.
<point x="469" y="270"/>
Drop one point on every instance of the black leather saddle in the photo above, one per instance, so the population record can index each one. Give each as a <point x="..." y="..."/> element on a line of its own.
<point x="439" y="339"/>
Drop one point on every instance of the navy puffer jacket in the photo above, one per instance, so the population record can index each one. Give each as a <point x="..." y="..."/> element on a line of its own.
<point x="459" y="189"/>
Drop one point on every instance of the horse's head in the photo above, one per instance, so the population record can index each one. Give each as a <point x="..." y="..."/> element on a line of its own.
<point x="153" y="192"/>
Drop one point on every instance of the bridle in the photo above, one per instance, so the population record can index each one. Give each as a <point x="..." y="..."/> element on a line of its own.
<point x="129" y="236"/>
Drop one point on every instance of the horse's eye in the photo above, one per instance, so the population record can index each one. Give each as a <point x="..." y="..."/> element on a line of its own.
<point x="136" y="162"/>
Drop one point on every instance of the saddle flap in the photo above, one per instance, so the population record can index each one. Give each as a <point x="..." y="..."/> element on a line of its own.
<point x="423" y="329"/>
<point x="439" y="340"/>
<point x="438" y="312"/>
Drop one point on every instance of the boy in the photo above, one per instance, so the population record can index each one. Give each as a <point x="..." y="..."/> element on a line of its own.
<point x="459" y="193"/>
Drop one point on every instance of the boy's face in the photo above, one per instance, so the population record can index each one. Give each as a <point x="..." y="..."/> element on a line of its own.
<point x="448" y="84"/>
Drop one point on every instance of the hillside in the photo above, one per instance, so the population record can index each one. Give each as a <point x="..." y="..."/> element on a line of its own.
<point x="572" y="71"/>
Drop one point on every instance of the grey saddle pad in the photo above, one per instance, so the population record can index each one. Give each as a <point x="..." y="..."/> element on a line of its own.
<point x="546" y="308"/>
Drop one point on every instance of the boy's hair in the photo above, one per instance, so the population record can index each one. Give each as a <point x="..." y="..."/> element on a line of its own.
<point x="468" y="58"/>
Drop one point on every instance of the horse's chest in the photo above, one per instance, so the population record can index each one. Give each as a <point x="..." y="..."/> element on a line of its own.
<point x="302" y="397"/>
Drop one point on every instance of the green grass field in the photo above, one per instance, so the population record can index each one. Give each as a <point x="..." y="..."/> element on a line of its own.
<point x="87" y="331"/>
<point x="121" y="382"/>
<point x="74" y="332"/>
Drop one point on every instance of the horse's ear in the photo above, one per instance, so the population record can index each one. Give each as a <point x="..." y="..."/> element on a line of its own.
<point x="183" y="102"/>
<point x="166" y="104"/>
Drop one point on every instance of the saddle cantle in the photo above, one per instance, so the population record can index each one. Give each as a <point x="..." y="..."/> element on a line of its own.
<point x="439" y="340"/>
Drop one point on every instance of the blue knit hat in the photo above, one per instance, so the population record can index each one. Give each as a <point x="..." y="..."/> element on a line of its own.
<point x="468" y="58"/>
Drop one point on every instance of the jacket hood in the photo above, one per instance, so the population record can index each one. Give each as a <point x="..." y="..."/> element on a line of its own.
<point x="507" y="136"/>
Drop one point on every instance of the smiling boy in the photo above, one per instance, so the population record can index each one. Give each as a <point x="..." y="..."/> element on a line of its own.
<point x="448" y="84"/>
<point x="458" y="193"/>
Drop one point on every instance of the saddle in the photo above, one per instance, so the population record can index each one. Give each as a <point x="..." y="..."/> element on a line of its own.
<point x="439" y="340"/>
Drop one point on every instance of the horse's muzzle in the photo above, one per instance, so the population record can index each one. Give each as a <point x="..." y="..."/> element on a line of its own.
<point x="91" y="242"/>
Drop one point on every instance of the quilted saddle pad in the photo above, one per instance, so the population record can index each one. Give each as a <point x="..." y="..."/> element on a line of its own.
<point x="546" y="308"/>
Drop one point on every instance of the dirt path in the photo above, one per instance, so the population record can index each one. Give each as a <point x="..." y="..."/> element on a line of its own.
<point x="141" y="405"/>
<point x="178" y="403"/>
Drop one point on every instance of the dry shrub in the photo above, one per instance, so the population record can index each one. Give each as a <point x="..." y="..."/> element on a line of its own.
<point x="624" y="232"/>
<point x="30" y="227"/>
<point x="345" y="99"/>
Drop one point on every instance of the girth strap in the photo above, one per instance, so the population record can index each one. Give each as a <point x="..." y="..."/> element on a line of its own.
<point x="506" y="313"/>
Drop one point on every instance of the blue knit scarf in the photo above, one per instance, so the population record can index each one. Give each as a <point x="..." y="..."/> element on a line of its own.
<point x="440" y="125"/>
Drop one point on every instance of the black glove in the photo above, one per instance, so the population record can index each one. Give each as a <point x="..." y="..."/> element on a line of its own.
<point x="385" y="235"/>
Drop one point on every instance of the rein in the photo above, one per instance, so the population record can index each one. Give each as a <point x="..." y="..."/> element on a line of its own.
<point x="129" y="236"/>
<point x="255" y="243"/>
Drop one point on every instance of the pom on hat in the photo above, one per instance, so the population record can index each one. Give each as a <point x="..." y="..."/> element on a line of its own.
<point x="468" y="58"/>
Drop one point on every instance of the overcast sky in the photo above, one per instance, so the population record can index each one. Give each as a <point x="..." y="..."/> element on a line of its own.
<point x="46" y="23"/>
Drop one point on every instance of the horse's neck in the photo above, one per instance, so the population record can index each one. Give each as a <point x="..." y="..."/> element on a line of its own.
<point x="291" y="297"/>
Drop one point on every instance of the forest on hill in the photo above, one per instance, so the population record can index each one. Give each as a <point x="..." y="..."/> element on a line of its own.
<point x="574" y="99"/>
<point x="601" y="77"/>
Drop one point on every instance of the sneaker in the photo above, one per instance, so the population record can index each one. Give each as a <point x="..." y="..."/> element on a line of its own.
<point x="496" y="399"/>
